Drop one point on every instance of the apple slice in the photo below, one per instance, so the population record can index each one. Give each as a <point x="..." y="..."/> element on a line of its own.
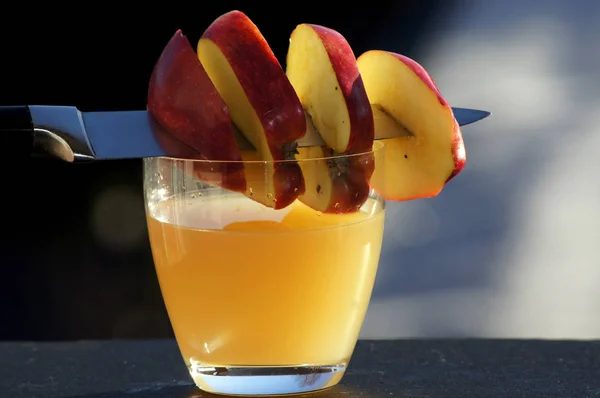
<point x="183" y="100"/>
<point x="429" y="150"/>
<point x="323" y="70"/>
<point x="338" y="184"/>
<point x="262" y="104"/>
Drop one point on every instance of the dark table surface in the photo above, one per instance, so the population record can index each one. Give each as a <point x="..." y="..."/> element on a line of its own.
<point x="404" y="368"/>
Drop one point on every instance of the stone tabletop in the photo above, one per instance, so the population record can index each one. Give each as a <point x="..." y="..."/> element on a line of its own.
<point x="400" y="368"/>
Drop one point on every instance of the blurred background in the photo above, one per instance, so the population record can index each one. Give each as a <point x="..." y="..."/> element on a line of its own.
<point x="509" y="249"/>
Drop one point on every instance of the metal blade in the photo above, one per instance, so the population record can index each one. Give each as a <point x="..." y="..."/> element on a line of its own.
<point x="64" y="132"/>
<point x="131" y="134"/>
<point x="311" y="137"/>
<point x="68" y="134"/>
<point x="465" y="116"/>
<point x="135" y="134"/>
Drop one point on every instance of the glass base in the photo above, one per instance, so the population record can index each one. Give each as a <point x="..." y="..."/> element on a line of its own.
<point x="261" y="381"/>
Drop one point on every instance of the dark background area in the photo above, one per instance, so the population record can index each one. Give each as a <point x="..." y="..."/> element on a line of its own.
<point x="74" y="253"/>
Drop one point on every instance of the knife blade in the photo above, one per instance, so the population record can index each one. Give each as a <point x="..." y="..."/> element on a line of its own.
<point x="463" y="116"/>
<point x="68" y="134"/>
<point x="466" y="116"/>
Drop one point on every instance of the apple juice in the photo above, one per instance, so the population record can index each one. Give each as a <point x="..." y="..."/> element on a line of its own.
<point x="248" y="285"/>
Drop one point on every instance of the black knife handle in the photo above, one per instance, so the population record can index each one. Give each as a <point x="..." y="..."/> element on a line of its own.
<point x="16" y="132"/>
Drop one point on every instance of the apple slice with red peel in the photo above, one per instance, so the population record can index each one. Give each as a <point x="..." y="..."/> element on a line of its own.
<point x="429" y="150"/>
<point x="338" y="184"/>
<point x="262" y="104"/>
<point x="183" y="100"/>
<point x="323" y="70"/>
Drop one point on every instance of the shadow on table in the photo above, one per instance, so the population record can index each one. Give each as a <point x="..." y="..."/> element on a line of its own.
<point x="191" y="391"/>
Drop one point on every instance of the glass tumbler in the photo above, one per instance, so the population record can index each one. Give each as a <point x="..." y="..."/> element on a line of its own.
<point x="266" y="268"/>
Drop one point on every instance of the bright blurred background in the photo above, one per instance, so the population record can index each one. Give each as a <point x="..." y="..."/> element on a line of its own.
<point x="509" y="249"/>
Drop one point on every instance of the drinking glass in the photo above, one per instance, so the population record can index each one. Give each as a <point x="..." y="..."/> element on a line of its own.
<point x="265" y="301"/>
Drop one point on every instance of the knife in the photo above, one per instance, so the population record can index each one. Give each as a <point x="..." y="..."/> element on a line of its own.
<point x="66" y="133"/>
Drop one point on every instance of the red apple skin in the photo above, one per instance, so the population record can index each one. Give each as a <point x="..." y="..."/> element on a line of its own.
<point x="351" y="189"/>
<point x="241" y="42"/>
<point x="458" y="145"/>
<point x="350" y="82"/>
<point x="458" y="152"/>
<point x="272" y="96"/>
<point x="349" y="175"/>
<point x="289" y="183"/>
<point x="183" y="100"/>
<point x="173" y="145"/>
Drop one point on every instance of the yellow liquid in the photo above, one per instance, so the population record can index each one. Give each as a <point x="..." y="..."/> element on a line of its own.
<point x="245" y="285"/>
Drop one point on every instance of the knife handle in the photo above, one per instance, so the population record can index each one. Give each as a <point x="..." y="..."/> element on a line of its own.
<point x="16" y="132"/>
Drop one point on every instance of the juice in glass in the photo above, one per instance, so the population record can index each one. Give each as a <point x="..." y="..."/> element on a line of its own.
<point x="252" y="285"/>
<point x="265" y="300"/>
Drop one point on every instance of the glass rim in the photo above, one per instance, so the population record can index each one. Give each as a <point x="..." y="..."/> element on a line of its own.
<point x="378" y="146"/>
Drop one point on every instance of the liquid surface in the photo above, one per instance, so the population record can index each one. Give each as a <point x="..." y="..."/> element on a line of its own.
<point x="247" y="285"/>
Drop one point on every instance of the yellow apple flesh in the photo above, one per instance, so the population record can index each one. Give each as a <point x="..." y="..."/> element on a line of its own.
<point x="323" y="70"/>
<point x="262" y="104"/>
<point x="429" y="149"/>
